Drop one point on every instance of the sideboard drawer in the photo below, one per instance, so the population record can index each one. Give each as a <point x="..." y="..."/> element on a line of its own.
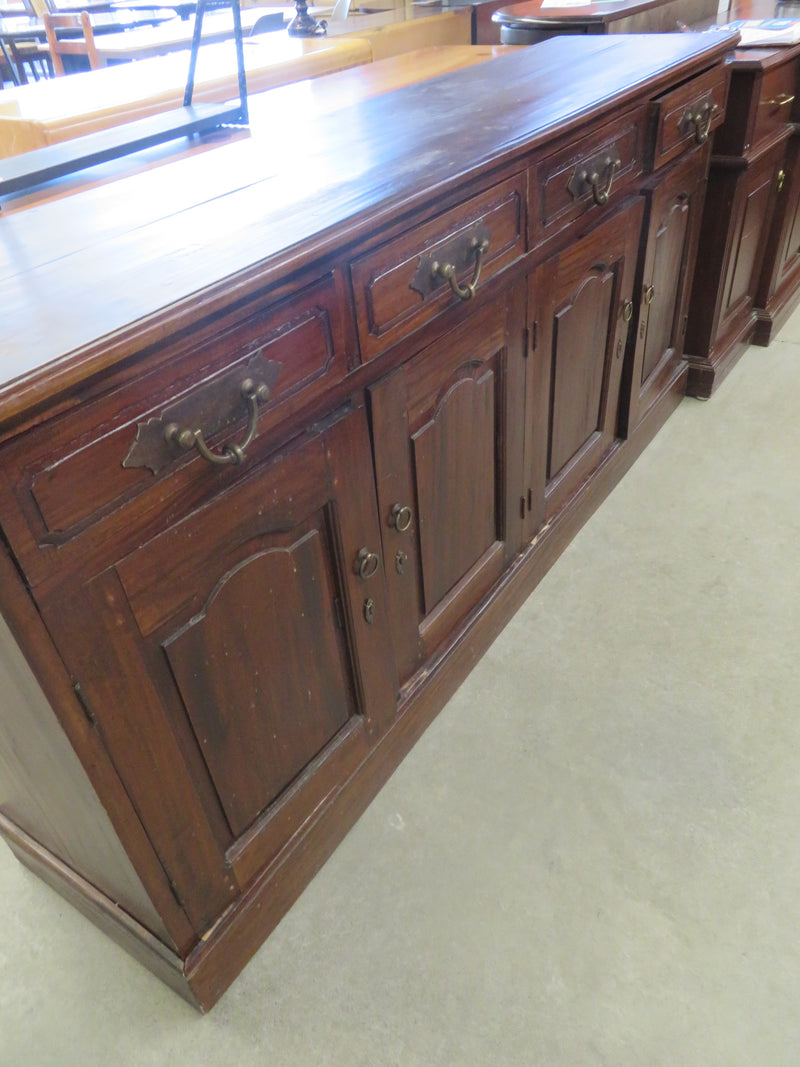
<point x="404" y="283"/>
<point x="688" y="115"/>
<point x="591" y="172"/>
<point x="74" y="470"/>
<point x="776" y="101"/>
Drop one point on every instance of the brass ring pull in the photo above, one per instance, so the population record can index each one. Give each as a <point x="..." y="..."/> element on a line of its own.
<point x="401" y="517"/>
<point x="186" y="438"/>
<point x="701" y="120"/>
<point x="627" y="311"/>
<point x="600" y="194"/>
<point x="367" y="563"/>
<point x="649" y="293"/>
<point x="448" y="270"/>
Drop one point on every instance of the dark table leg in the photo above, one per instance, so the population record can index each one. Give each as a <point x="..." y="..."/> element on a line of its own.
<point x="9" y="63"/>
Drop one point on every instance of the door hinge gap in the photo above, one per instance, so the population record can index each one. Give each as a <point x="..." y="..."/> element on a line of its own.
<point x="87" y="711"/>
<point x="174" y="890"/>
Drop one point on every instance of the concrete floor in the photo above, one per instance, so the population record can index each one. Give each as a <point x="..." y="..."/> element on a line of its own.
<point x="592" y="856"/>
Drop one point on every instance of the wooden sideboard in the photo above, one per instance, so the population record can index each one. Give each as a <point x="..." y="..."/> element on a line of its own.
<point x="748" y="277"/>
<point x="286" y="439"/>
<point x="535" y="20"/>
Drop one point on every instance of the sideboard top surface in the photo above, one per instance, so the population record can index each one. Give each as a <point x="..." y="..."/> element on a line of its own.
<point x="88" y="279"/>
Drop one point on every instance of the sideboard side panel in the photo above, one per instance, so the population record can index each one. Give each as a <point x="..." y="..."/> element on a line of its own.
<point x="44" y="789"/>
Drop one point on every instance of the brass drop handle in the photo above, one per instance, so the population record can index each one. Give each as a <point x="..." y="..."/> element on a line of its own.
<point x="779" y="101"/>
<point x="401" y="517"/>
<point x="367" y="563"/>
<point x="448" y="270"/>
<point x="627" y="311"/>
<point x="254" y="393"/>
<point x="701" y="120"/>
<point x="781" y="178"/>
<point x="649" y="293"/>
<point x="601" y="193"/>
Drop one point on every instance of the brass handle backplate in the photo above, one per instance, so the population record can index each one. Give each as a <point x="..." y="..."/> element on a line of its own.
<point x="595" y="175"/>
<point x="649" y="293"/>
<point x="697" y="119"/>
<point x="185" y="437"/>
<point x="627" y="311"/>
<point x="449" y="259"/>
<point x="212" y="406"/>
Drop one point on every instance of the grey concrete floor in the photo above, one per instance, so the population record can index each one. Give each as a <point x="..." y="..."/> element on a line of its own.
<point x="591" y="857"/>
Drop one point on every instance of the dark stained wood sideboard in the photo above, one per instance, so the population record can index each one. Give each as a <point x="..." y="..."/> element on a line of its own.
<point x="748" y="277"/>
<point x="285" y="442"/>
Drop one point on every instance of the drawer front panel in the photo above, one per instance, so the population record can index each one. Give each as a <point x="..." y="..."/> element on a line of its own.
<point x="402" y="285"/>
<point x="776" y="101"/>
<point x="77" y="469"/>
<point x="588" y="174"/>
<point x="688" y="115"/>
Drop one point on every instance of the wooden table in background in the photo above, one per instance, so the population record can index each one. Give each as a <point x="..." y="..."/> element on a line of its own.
<point x="43" y="115"/>
<point x="177" y="34"/>
<point x="48" y="112"/>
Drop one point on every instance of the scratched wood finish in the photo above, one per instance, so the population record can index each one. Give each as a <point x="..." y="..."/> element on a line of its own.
<point x="173" y="234"/>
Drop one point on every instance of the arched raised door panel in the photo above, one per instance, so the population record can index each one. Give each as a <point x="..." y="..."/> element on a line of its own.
<point x="674" y="204"/>
<point x="257" y="660"/>
<point x="581" y="304"/>
<point x="446" y="429"/>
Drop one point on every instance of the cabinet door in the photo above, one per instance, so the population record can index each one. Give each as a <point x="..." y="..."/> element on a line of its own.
<point x="672" y="218"/>
<point x="582" y="307"/>
<point x="733" y="235"/>
<point x="238" y="665"/>
<point x="782" y="258"/>
<point x="755" y="207"/>
<point x="447" y="428"/>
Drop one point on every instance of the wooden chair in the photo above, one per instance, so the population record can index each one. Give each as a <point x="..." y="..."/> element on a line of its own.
<point x="39" y="8"/>
<point x="70" y="46"/>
